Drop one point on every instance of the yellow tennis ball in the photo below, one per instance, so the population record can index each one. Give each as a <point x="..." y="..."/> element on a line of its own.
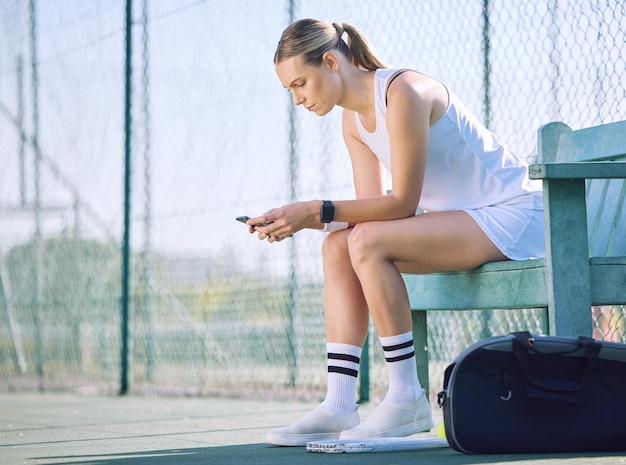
<point x="441" y="430"/>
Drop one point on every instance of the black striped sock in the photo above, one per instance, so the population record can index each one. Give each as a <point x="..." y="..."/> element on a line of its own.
<point x="343" y="368"/>
<point x="399" y="352"/>
<point x="344" y="364"/>
<point x="404" y="387"/>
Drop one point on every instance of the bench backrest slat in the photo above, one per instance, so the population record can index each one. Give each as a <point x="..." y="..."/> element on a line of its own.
<point x="599" y="143"/>
<point x="606" y="219"/>
<point x="605" y="198"/>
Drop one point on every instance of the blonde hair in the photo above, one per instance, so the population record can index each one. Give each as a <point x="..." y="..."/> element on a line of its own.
<point x="311" y="38"/>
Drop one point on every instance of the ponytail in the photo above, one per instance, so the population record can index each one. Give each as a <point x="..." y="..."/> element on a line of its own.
<point x="363" y="54"/>
<point x="312" y="38"/>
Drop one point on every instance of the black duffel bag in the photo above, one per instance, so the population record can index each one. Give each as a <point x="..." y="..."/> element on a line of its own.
<point x="523" y="393"/>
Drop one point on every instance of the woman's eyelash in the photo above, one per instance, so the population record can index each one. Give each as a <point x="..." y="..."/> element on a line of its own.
<point x="296" y="85"/>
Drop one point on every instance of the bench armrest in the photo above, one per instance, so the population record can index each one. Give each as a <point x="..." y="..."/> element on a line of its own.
<point x="581" y="170"/>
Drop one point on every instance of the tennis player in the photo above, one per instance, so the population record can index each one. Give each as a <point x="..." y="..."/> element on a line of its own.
<point x="478" y="206"/>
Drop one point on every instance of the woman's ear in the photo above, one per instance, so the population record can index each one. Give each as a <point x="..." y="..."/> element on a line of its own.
<point x="329" y="59"/>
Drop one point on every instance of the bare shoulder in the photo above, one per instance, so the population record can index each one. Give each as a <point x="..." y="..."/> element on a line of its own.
<point x="414" y="82"/>
<point x="423" y="91"/>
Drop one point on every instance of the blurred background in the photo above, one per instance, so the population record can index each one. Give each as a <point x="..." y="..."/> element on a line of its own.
<point x="130" y="142"/>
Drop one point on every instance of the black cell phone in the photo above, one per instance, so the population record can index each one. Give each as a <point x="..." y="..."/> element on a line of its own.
<point x="244" y="220"/>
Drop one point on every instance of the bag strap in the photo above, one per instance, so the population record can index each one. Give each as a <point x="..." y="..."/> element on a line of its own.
<point x="524" y="343"/>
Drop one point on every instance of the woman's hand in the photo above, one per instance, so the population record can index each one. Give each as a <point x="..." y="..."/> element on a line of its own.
<point x="280" y="223"/>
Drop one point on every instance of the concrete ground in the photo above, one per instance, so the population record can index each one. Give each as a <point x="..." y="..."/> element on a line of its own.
<point x="67" y="428"/>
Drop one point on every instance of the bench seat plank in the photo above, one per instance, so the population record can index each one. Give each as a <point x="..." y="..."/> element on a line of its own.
<point x="469" y="290"/>
<point x="525" y="286"/>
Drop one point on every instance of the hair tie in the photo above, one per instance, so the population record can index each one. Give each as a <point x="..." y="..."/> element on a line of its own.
<point x="339" y="29"/>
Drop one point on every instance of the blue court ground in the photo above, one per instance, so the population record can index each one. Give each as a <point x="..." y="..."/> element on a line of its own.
<point x="74" y="429"/>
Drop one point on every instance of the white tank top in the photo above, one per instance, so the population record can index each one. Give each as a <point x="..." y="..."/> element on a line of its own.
<point x="467" y="167"/>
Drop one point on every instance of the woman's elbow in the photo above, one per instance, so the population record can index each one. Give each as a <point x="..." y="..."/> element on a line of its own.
<point x="407" y="208"/>
<point x="404" y="205"/>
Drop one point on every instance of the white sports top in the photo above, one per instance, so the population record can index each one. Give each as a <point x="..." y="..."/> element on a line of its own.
<point x="467" y="167"/>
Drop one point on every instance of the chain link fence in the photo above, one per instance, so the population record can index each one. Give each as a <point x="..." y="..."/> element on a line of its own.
<point x="214" y="311"/>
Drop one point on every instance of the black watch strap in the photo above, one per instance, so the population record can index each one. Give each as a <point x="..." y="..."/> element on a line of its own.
<point x="327" y="212"/>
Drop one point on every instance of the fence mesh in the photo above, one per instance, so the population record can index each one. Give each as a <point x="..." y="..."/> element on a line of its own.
<point x="214" y="136"/>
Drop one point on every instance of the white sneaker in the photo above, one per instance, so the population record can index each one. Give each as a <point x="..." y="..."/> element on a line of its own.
<point x="321" y="424"/>
<point x="389" y="419"/>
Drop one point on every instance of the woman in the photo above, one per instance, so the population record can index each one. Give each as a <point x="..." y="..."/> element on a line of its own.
<point x="479" y="207"/>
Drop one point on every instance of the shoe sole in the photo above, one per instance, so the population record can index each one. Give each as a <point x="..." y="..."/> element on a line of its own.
<point x="298" y="440"/>
<point x="401" y="431"/>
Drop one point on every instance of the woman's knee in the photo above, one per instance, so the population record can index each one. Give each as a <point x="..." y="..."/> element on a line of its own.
<point x="362" y="243"/>
<point x="335" y="247"/>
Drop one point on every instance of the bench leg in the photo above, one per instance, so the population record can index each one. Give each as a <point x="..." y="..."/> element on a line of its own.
<point x="420" y="340"/>
<point x="568" y="274"/>
<point x="364" y="373"/>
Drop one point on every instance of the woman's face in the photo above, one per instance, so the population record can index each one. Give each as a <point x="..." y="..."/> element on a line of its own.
<point x="314" y="87"/>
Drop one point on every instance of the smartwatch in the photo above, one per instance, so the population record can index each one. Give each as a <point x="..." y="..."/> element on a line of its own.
<point x="327" y="211"/>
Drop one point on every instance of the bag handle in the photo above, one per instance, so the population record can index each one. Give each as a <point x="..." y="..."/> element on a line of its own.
<point x="527" y="340"/>
<point x="524" y="343"/>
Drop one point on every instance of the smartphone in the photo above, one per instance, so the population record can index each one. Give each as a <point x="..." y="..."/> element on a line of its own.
<point x="244" y="220"/>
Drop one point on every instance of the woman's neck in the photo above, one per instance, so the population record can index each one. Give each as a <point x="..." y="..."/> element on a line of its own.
<point x="358" y="89"/>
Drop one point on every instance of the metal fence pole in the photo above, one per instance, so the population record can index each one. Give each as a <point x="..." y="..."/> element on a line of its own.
<point x="485" y="317"/>
<point x="38" y="279"/>
<point x="127" y="201"/>
<point x="293" y="253"/>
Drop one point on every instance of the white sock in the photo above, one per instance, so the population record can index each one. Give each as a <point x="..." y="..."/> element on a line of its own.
<point x="343" y="369"/>
<point x="404" y="387"/>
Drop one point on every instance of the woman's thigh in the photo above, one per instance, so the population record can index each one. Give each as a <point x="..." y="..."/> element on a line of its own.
<point x="431" y="242"/>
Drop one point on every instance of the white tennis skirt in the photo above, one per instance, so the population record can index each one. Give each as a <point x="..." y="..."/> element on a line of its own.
<point x="515" y="227"/>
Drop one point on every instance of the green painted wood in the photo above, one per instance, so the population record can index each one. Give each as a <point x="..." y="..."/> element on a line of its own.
<point x="524" y="286"/>
<point x="420" y="341"/>
<point x="605" y="142"/>
<point x="483" y="288"/>
<point x="568" y="278"/>
<point x="608" y="280"/>
<point x="586" y="170"/>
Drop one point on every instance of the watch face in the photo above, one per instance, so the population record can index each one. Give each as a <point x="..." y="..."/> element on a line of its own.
<point x="327" y="212"/>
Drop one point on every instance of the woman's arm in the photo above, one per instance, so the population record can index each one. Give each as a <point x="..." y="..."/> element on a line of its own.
<point x="368" y="173"/>
<point x="408" y="121"/>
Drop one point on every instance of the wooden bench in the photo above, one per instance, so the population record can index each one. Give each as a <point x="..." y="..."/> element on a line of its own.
<point x="585" y="222"/>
